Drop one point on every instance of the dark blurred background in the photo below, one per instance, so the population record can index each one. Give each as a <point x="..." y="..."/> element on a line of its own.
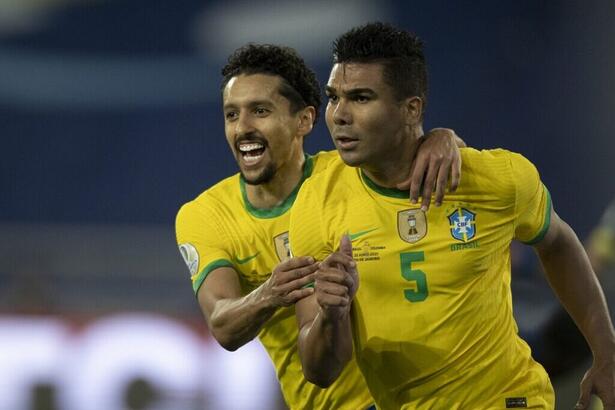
<point x="110" y="119"/>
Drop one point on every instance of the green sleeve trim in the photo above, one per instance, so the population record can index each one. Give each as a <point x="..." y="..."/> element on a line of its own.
<point x="207" y="270"/>
<point x="546" y="223"/>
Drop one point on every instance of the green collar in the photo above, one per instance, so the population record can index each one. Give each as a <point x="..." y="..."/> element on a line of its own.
<point x="390" y="192"/>
<point x="284" y="206"/>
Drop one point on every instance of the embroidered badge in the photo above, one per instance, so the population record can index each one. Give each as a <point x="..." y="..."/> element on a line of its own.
<point x="463" y="224"/>
<point x="411" y="225"/>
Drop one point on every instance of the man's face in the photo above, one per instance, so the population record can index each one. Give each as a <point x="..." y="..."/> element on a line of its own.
<point x="259" y="126"/>
<point x="366" y="122"/>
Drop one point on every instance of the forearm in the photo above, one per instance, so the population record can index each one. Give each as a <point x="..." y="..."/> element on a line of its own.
<point x="234" y="322"/>
<point x="572" y="278"/>
<point x="325" y="347"/>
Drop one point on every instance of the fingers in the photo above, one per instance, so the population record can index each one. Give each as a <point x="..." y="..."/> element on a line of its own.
<point x="337" y="259"/>
<point x="418" y="170"/>
<point x="429" y="184"/>
<point x="298" y="294"/>
<point x="346" y="245"/>
<point x="585" y="396"/>
<point x="296" y="262"/>
<point x="441" y="185"/>
<point x="455" y="172"/>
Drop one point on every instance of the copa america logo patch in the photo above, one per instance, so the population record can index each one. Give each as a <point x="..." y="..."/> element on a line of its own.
<point x="462" y="224"/>
<point x="190" y="256"/>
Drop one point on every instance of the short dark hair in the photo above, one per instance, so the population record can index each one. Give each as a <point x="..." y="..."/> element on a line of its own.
<point x="399" y="51"/>
<point x="299" y="84"/>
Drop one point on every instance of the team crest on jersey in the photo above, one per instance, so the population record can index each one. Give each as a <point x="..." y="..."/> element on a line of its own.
<point x="462" y="224"/>
<point x="282" y="247"/>
<point x="411" y="225"/>
<point x="190" y="256"/>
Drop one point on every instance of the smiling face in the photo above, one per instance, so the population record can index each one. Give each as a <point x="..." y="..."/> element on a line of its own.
<point x="367" y="124"/>
<point x="263" y="133"/>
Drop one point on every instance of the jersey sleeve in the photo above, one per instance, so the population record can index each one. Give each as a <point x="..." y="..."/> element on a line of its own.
<point x="201" y="242"/>
<point x="532" y="201"/>
<point x="306" y="231"/>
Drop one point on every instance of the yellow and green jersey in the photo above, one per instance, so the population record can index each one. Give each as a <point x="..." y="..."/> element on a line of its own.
<point x="221" y="228"/>
<point x="432" y="319"/>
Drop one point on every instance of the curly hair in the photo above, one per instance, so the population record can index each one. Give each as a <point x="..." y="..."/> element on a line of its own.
<point x="299" y="84"/>
<point x="400" y="52"/>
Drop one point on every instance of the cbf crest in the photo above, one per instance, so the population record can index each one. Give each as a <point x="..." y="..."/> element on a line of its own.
<point x="411" y="225"/>
<point x="282" y="247"/>
<point x="463" y="224"/>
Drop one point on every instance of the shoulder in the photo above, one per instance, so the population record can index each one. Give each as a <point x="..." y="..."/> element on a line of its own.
<point x="495" y="172"/>
<point x="332" y="172"/>
<point x="223" y="195"/>
<point x="323" y="159"/>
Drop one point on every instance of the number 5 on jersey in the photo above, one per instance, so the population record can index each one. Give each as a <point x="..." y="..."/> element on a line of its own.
<point x="419" y="291"/>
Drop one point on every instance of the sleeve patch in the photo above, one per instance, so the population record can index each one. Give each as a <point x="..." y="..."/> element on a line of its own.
<point x="190" y="256"/>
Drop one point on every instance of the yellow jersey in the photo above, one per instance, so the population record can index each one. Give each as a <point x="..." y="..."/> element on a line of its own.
<point x="432" y="319"/>
<point x="221" y="228"/>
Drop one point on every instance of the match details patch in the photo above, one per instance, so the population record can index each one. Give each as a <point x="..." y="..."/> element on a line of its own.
<point x="282" y="247"/>
<point x="191" y="257"/>
<point x="463" y="224"/>
<point x="411" y="225"/>
<point x="516" y="402"/>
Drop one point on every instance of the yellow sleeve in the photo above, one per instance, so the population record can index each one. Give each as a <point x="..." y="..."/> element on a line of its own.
<point x="532" y="201"/>
<point x="201" y="242"/>
<point x="306" y="232"/>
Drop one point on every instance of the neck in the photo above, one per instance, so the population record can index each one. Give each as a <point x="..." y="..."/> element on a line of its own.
<point x="395" y="166"/>
<point x="274" y="192"/>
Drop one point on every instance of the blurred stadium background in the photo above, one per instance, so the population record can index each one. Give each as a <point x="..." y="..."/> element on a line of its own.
<point x="110" y="119"/>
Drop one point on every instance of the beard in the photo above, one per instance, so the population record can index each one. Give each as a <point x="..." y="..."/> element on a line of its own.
<point x="265" y="176"/>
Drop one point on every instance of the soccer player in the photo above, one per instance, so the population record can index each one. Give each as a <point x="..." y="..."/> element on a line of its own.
<point x="431" y="321"/>
<point x="234" y="236"/>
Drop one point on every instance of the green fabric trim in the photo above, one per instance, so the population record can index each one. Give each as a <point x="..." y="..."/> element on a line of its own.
<point x="207" y="270"/>
<point x="288" y="202"/>
<point x="546" y="223"/>
<point x="390" y="192"/>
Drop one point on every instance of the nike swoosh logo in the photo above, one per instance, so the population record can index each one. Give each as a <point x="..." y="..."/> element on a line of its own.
<point x="356" y="235"/>
<point x="245" y="260"/>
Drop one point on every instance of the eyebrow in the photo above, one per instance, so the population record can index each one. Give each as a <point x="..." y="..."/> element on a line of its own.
<point x="250" y="104"/>
<point x="352" y="92"/>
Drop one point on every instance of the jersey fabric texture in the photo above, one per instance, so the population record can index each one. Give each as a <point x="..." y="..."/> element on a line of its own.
<point x="432" y="319"/>
<point x="221" y="228"/>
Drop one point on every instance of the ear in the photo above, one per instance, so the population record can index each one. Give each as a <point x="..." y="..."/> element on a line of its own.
<point x="414" y="110"/>
<point x="306" y="120"/>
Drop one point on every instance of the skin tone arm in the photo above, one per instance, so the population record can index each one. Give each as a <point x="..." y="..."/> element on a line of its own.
<point x="234" y="319"/>
<point x="437" y="158"/>
<point x="573" y="280"/>
<point x="325" y="336"/>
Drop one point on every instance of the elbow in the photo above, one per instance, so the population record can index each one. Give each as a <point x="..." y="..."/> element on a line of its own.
<point x="226" y="341"/>
<point x="320" y="379"/>
<point x="322" y="376"/>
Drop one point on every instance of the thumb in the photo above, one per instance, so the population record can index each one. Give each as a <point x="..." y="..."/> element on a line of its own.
<point x="346" y="245"/>
<point x="584" y="399"/>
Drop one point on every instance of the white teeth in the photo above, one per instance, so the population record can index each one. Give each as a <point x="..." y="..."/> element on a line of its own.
<point x="250" y="146"/>
<point x="251" y="160"/>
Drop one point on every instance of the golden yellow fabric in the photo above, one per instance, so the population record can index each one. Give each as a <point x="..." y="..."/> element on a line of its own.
<point x="432" y="319"/>
<point x="225" y="230"/>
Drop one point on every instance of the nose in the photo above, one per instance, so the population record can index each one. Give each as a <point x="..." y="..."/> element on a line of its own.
<point x="243" y="125"/>
<point x="341" y="114"/>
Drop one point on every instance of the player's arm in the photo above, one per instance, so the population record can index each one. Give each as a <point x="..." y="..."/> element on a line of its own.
<point x="325" y="335"/>
<point x="437" y="158"/>
<point x="234" y="319"/>
<point x="571" y="276"/>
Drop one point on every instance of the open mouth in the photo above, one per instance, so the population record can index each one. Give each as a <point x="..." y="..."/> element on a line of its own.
<point x="251" y="151"/>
